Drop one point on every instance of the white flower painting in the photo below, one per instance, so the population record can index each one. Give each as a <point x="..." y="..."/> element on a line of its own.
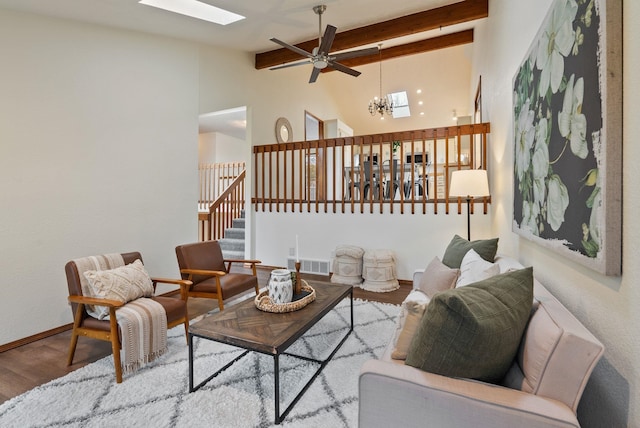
<point x="557" y="126"/>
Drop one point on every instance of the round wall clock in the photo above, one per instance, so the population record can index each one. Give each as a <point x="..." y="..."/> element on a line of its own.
<point x="284" y="133"/>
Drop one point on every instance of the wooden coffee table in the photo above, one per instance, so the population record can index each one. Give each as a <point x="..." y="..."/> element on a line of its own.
<point x="245" y="326"/>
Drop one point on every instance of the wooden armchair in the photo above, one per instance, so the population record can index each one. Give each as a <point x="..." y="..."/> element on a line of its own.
<point x="88" y="326"/>
<point x="202" y="263"/>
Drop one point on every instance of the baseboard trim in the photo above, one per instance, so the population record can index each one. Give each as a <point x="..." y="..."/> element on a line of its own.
<point x="43" y="335"/>
<point x="35" y="337"/>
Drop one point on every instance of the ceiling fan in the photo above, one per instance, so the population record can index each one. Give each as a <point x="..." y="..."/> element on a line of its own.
<point x="320" y="56"/>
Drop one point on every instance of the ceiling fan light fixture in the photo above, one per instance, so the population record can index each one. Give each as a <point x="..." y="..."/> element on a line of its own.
<point x="320" y="63"/>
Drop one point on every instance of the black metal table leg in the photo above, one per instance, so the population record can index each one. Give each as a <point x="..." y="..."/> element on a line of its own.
<point x="351" y="311"/>
<point x="276" y="377"/>
<point x="190" y="363"/>
<point x="198" y="386"/>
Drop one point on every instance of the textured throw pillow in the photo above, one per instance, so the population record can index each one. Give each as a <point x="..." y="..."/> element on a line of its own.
<point x="413" y="316"/>
<point x="437" y="277"/>
<point x="411" y="312"/>
<point x="458" y="247"/>
<point x="124" y="284"/>
<point x="474" y="331"/>
<point x="474" y="268"/>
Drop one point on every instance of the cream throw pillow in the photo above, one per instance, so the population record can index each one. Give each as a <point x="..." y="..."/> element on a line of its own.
<point x="437" y="277"/>
<point x="474" y="268"/>
<point x="416" y="297"/>
<point x="124" y="284"/>
<point x="414" y="313"/>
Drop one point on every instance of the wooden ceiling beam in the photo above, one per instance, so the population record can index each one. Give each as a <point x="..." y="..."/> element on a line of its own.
<point x="419" y="22"/>
<point x="435" y="43"/>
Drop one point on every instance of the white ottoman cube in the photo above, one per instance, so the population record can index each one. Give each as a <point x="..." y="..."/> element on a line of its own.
<point x="379" y="271"/>
<point x="347" y="265"/>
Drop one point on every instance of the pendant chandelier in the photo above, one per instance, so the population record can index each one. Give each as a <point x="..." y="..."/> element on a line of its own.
<point x="384" y="104"/>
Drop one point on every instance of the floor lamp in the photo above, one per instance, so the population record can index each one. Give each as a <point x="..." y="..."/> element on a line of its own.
<point x="469" y="184"/>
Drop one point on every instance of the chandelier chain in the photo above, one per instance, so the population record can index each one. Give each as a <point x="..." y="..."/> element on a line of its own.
<point x="382" y="105"/>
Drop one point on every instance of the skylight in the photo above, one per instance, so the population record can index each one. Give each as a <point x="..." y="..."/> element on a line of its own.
<point x="400" y="104"/>
<point x="195" y="9"/>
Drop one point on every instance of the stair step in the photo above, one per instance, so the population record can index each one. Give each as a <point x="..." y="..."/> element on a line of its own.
<point x="234" y="233"/>
<point x="238" y="223"/>
<point x="237" y="255"/>
<point x="227" y="244"/>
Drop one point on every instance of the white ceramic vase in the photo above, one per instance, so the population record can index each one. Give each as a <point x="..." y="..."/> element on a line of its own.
<point x="280" y="286"/>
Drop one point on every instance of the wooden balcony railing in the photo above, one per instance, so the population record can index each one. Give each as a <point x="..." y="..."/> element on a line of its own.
<point x="227" y="207"/>
<point x="214" y="179"/>
<point x="403" y="171"/>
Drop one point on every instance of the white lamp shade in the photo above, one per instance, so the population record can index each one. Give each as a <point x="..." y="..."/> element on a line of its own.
<point x="469" y="182"/>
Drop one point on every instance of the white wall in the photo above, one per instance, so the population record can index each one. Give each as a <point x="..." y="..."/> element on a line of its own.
<point x="606" y="305"/>
<point x="215" y="147"/>
<point x="207" y="147"/>
<point x="414" y="238"/>
<point x="230" y="149"/>
<point x="98" y="147"/>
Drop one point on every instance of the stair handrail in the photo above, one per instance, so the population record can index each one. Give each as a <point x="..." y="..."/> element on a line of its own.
<point x="225" y="208"/>
<point x="214" y="178"/>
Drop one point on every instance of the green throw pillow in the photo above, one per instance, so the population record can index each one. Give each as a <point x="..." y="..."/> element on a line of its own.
<point x="474" y="331"/>
<point x="458" y="247"/>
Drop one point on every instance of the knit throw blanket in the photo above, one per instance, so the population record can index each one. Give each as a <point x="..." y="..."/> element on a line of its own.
<point x="142" y="322"/>
<point x="143" y="332"/>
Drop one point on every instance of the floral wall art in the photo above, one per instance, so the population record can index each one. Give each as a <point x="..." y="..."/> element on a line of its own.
<point x="567" y="124"/>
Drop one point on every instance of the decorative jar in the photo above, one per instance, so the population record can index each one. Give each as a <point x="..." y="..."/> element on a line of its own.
<point x="280" y="286"/>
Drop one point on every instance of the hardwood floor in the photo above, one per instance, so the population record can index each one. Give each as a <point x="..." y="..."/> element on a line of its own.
<point x="33" y="364"/>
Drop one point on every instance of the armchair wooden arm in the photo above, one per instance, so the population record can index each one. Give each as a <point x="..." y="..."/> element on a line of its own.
<point x="172" y="281"/>
<point x="253" y="262"/>
<point x="183" y="283"/>
<point x="203" y="272"/>
<point x="95" y="301"/>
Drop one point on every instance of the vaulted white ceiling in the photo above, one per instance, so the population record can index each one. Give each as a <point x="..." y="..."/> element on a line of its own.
<point x="289" y="20"/>
<point x="292" y="21"/>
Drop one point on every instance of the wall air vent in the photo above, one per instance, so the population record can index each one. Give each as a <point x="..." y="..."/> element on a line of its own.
<point x="316" y="267"/>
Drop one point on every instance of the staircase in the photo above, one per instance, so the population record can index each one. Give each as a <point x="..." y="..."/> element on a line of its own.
<point x="232" y="245"/>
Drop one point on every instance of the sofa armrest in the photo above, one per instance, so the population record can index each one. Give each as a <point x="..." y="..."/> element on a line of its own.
<point x="417" y="275"/>
<point x="392" y="394"/>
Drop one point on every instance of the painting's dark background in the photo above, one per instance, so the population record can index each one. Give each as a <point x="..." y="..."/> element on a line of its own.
<point x="569" y="167"/>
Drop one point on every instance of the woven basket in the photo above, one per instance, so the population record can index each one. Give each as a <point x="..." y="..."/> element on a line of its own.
<point x="264" y="302"/>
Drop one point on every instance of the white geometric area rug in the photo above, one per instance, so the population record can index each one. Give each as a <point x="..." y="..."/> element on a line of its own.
<point x="242" y="396"/>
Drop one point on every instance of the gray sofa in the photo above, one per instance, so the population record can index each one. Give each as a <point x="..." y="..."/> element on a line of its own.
<point x="542" y="388"/>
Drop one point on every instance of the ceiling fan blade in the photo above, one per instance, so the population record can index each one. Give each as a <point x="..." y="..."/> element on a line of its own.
<point x="293" y="64"/>
<point x="314" y="75"/>
<point x="354" y="54"/>
<point x="344" y="69"/>
<point x="292" y="48"/>
<point x="327" y="40"/>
